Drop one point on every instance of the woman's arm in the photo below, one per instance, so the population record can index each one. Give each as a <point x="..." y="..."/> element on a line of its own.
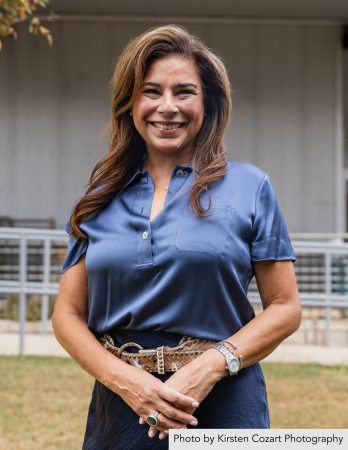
<point x="280" y="318"/>
<point x="143" y="392"/>
<point x="281" y="314"/>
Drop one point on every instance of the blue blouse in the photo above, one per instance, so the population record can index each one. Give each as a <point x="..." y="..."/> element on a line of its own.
<point x="179" y="273"/>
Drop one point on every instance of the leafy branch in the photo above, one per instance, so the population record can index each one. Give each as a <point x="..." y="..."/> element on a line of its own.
<point x="14" y="11"/>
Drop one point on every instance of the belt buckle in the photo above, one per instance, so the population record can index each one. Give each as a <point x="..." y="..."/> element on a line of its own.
<point x="128" y="344"/>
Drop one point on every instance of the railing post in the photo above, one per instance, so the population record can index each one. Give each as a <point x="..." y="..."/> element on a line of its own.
<point x="22" y="295"/>
<point x="46" y="280"/>
<point x="328" y="290"/>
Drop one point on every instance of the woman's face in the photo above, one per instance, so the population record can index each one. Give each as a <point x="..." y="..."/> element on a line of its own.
<point x="169" y="111"/>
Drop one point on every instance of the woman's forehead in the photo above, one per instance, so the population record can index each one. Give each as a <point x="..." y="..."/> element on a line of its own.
<point x="174" y="66"/>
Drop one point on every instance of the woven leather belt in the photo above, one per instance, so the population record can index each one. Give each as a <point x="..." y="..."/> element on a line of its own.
<point x="161" y="359"/>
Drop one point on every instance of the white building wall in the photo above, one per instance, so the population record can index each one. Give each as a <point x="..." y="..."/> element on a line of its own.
<point x="345" y="93"/>
<point x="54" y="101"/>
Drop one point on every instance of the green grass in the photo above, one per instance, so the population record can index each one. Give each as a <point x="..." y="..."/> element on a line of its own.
<point x="307" y="395"/>
<point x="44" y="403"/>
<point x="44" y="400"/>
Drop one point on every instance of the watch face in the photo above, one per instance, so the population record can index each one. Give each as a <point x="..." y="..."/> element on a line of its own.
<point x="234" y="366"/>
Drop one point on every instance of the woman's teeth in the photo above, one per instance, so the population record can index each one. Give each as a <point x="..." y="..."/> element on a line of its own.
<point x="168" y="127"/>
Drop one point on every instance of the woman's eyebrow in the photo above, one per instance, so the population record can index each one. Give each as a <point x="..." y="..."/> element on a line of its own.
<point x="183" y="85"/>
<point x="151" y="83"/>
<point x="179" y="85"/>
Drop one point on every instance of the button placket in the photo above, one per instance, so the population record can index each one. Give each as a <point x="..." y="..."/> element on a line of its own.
<point x="142" y="210"/>
<point x="144" y="256"/>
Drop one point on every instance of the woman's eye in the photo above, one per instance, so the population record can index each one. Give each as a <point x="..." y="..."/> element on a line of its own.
<point x="151" y="91"/>
<point x="185" y="92"/>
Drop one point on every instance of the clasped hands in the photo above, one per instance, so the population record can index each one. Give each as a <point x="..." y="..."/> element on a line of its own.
<point x="189" y="386"/>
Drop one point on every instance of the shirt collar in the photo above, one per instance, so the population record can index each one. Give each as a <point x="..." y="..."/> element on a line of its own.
<point x="189" y="166"/>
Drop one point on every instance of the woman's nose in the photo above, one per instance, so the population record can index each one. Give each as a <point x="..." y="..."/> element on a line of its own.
<point x="167" y="104"/>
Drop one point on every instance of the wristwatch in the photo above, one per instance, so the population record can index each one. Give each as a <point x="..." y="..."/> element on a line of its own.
<point x="233" y="363"/>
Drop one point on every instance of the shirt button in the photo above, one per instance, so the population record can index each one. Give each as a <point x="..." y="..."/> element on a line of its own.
<point x="180" y="173"/>
<point x="145" y="235"/>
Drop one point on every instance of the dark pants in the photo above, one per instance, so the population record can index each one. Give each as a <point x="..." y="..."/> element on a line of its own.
<point x="234" y="402"/>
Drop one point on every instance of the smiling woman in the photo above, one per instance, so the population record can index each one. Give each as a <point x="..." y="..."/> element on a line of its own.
<point x="162" y="249"/>
<point x="165" y="96"/>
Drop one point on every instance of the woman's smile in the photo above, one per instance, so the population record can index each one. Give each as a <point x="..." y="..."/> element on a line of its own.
<point x="168" y="127"/>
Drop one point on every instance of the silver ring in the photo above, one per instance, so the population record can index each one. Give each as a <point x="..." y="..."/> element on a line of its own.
<point x="152" y="419"/>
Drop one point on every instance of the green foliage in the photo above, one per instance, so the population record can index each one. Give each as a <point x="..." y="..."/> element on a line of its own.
<point x="13" y="12"/>
<point x="10" y="308"/>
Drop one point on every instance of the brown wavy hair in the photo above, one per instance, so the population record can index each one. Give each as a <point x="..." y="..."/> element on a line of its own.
<point x="127" y="147"/>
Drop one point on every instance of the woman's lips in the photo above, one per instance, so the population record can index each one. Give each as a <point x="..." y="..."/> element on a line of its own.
<point x="159" y="126"/>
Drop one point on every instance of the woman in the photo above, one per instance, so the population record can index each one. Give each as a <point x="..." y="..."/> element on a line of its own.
<point x="164" y="245"/>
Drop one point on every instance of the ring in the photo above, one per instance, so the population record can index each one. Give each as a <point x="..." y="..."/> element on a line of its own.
<point x="152" y="419"/>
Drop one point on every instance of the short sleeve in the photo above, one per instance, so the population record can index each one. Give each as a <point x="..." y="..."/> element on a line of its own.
<point x="270" y="238"/>
<point x="74" y="251"/>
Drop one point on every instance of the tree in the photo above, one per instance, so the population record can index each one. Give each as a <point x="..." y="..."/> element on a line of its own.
<point x="13" y="12"/>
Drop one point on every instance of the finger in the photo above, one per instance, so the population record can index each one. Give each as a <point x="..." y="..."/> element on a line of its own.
<point x="190" y="410"/>
<point x="173" y="396"/>
<point x="161" y="429"/>
<point x="170" y="412"/>
<point x="171" y="422"/>
<point x="163" y="432"/>
<point x="153" y="431"/>
<point x="162" y="435"/>
<point x="164" y="423"/>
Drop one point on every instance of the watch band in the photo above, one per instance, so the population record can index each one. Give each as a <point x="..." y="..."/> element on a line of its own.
<point x="231" y="351"/>
<point x="229" y="355"/>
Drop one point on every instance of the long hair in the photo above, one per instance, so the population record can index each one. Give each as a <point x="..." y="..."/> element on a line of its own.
<point x="127" y="147"/>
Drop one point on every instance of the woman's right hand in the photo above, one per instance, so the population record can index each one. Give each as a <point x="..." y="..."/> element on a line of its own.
<point x="146" y="394"/>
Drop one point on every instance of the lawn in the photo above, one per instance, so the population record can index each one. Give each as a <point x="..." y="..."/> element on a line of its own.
<point x="44" y="400"/>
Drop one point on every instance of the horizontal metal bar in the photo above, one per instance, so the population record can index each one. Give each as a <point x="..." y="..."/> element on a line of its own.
<point x="32" y="233"/>
<point x="320" y="247"/>
<point x="198" y="19"/>
<point x="319" y="304"/>
<point x="33" y="290"/>
<point x="311" y="303"/>
<point x="9" y="283"/>
<point x="29" y="284"/>
<point x="314" y="297"/>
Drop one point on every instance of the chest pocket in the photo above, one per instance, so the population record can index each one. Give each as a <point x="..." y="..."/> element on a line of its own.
<point x="208" y="235"/>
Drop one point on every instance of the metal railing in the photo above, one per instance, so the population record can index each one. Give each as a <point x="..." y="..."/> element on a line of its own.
<point x="22" y="286"/>
<point x="36" y="254"/>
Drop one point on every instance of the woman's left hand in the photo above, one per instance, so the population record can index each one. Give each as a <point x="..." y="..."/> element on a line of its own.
<point x="196" y="380"/>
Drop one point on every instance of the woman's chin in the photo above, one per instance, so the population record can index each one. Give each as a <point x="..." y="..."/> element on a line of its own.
<point x="168" y="144"/>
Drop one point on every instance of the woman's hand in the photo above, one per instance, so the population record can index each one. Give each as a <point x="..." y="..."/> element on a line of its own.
<point x="196" y="380"/>
<point x="146" y="394"/>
